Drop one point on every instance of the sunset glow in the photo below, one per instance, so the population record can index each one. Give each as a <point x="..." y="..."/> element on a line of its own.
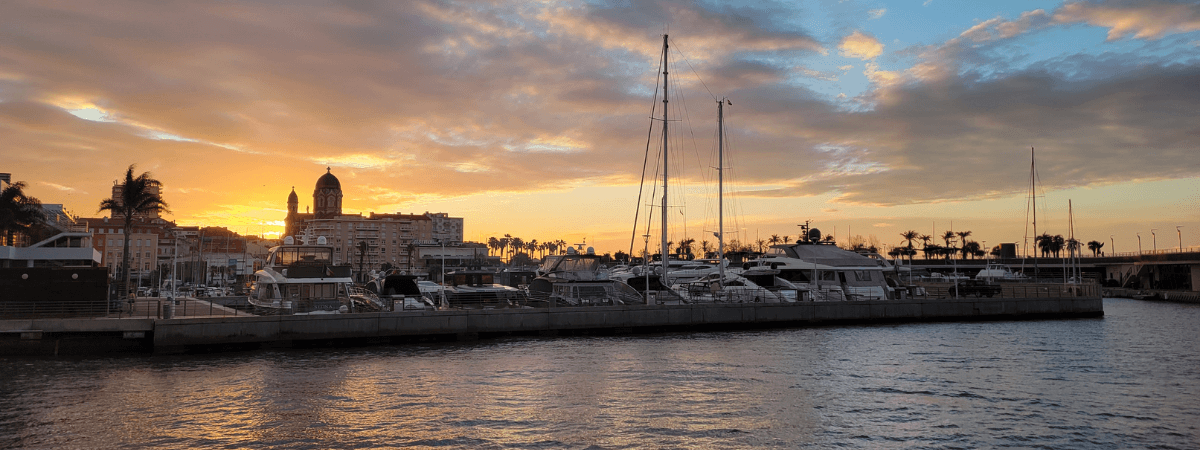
<point x="866" y="117"/>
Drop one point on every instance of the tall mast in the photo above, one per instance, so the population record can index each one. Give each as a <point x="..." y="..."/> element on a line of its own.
<point x="665" y="250"/>
<point x="721" y="189"/>
<point x="1033" y="196"/>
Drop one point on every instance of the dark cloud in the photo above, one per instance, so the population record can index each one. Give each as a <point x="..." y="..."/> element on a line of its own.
<point x="460" y="98"/>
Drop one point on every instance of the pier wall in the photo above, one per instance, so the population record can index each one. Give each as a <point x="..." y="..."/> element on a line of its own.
<point x="92" y="336"/>
<point x="177" y="333"/>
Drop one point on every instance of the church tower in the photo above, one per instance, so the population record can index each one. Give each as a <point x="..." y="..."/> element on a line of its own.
<point x="291" y="223"/>
<point x="327" y="197"/>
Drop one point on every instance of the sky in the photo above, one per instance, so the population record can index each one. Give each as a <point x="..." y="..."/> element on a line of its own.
<point x="533" y="119"/>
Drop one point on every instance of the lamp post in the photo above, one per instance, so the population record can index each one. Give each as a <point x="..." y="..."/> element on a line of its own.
<point x="1180" y="235"/>
<point x="1154" y="238"/>
<point x="442" y="269"/>
<point x="1114" y="244"/>
<point x="1139" y="235"/>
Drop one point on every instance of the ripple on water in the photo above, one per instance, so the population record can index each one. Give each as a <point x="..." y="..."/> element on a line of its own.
<point x="1127" y="380"/>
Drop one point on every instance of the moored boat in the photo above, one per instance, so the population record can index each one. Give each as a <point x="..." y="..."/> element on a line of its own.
<point x="302" y="279"/>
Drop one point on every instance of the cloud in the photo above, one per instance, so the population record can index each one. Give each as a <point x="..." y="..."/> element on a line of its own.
<point x="67" y="189"/>
<point x="860" y="45"/>
<point x="876" y="13"/>
<point x="1142" y="19"/>
<point x="998" y="28"/>
<point x="432" y="100"/>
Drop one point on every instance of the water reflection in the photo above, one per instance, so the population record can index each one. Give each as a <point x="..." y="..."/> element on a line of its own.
<point x="1128" y="380"/>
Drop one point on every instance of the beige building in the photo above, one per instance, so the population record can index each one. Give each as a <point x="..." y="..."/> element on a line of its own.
<point x="368" y="242"/>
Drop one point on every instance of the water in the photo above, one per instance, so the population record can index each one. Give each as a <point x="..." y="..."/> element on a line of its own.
<point x="1131" y="379"/>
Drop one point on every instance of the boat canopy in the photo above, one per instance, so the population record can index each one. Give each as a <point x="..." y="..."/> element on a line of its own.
<point x="287" y="255"/>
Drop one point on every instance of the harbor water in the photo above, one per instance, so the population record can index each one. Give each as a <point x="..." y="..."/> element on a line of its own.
<point x="1130" y="379"/>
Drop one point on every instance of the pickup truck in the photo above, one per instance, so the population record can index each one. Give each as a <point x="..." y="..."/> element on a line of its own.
<point x="974" y="287"/>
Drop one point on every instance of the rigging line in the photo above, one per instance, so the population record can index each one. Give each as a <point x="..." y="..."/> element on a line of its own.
<point x="649" y="135"/>
<point x="681" y="107"/>
<point x="689" y="63"/>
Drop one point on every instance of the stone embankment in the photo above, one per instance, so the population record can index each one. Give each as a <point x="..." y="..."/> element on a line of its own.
<point x="1154" y="294"/>
<point x="59" y="336"/>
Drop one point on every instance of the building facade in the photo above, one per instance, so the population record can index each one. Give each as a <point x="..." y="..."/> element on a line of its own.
<point x="374" y="241"/>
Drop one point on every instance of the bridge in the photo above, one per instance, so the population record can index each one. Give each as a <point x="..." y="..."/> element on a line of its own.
<point x="1168" y="269"/>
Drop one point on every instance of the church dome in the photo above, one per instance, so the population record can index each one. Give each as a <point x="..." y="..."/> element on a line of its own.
<point x="328" y="181"/>
<point x="292" y="198"/>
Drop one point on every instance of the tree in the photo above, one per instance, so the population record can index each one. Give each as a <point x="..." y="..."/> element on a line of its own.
<point x="962" y="240"/>
<point x="19" y="213"/>
<point x="971" y="249"/>
<point x="621" y="256"/>
<point x="504" y="241"/>
<point x="787" y="239"/>
<point x="948" y="237"/>
<point x="137" y="197"/>
<point x="707" y="248"/>
<point x="925" y="238"/>
<point x="685" y="248"/>
<point x="760" y="243"/>
<point x="774" y="239"/>
<point x="517" y="244"/>
<point x="1095" y="247"/>
<point x="493" y="244"/>
<point x="909" y="236"/>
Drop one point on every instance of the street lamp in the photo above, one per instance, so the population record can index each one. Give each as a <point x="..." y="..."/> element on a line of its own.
<point x="1139" y="235"/>
<point x="1154" y="238"/>
<point x="1180" y="235"/>
<point x="1114" y="244"/>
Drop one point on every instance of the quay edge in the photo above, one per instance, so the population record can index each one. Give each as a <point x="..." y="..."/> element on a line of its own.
<point x="91" y="336"/>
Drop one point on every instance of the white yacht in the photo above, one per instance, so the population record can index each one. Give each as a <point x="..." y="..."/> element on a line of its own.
<point x="828" y="273"/>
<point x="754" y="285"/>
<point x="998" y="272"/>
<point x="302" y="279"/>
<point x="476" y="288"/>
<point x="574" y="279"/>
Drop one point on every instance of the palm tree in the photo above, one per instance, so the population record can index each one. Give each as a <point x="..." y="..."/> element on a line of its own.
<point x="925" y="238"/>
<point x="909" y="236"/>
<point x="971" y="249"/>
<point x="493" y="244"/>
<point x="1095" y="247"/>
<point x="532" y="246"/>
<point x="19" y="213"/>
<point x="787" y="239"/>
<point x="962" y="235"/>
<point x="948" y="237"/>
<point x="1043" y="243"/>
<point x="707" y="248"/>
<point x="760" y="243"/>
<point x="137" y="197"/>
<point x="685" y="248"/>
<point x="504" y="245"/>
<point x="517" y="245"/>
<point x="774" y="239"/>
<point x="1059" y="244"/>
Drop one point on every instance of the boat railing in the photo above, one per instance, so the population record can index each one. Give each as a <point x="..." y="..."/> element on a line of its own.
<point x="1086" y="289"/>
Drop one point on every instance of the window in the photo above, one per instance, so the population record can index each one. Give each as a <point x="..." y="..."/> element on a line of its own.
<point x="862" y="275"/>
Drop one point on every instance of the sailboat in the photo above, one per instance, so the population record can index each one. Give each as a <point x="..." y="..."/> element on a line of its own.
<point x="755" y="284"/>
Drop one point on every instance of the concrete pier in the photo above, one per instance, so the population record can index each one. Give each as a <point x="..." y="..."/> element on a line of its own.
<point x="207" y="333"/>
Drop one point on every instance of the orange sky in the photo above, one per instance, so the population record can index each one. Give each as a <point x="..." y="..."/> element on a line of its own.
<point x="868" y="118"/>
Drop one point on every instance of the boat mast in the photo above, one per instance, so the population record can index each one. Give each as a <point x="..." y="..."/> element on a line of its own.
<point x="1033" y="196"/>
<point x="665" y="250"/>
<point x="721" y="189"/>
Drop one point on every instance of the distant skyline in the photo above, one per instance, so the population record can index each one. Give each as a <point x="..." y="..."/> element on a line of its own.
<point x="865" y="117"/>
